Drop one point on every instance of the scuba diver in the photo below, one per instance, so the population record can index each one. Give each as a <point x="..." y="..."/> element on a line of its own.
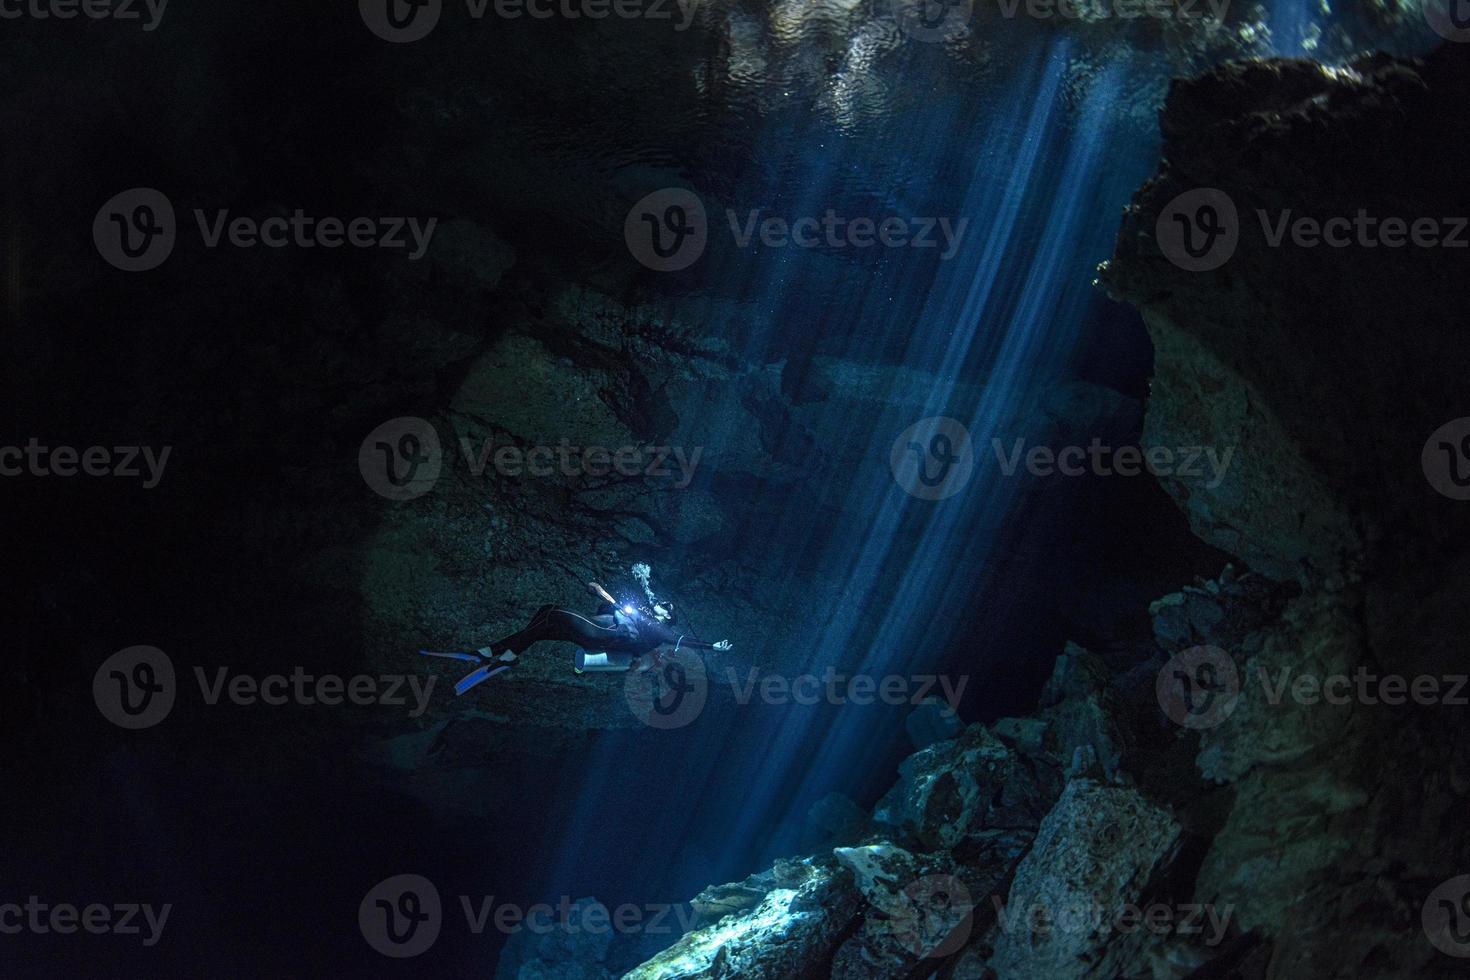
<point x="617" y="637"/>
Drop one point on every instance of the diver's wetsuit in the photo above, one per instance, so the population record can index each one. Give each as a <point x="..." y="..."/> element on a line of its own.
<point x="610" y="629"/>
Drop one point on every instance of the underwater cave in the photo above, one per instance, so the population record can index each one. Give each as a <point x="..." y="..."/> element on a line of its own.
<point x="652" y="489"/>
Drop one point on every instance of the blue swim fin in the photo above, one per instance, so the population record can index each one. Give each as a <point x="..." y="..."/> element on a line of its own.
<point x="476" y="676"/>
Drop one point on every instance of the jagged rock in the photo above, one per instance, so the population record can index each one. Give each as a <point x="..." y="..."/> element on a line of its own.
<point x="963" y="786"/>
<point x="932" y="720"/>
<point x="1293" y="356"/>
<point x="1082" y="713"/>
<point x="1222" y="612"/>
<point x="1274" y="722"/>
<point x="1093" y="854"/>
<point x="1256" y="354"/>
<point x="1026" y="733"/>
<point x="917" y="908"/>
<point x="791" y="932"/>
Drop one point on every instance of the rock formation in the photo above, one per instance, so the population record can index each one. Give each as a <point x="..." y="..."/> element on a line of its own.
<point x="1292" y="835"/>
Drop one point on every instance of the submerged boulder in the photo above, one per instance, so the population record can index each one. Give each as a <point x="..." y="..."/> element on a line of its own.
<point x="803" y="910"/>
<point x="1093" y="856"/>
<point x="959" y="788"/>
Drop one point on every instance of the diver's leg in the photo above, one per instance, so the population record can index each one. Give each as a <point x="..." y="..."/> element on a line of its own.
<point x="555" y="623"/>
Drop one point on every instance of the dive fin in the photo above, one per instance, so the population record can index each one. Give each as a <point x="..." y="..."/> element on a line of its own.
<point x="477" y="676"/>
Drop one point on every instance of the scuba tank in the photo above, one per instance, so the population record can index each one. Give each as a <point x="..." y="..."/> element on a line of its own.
<point x="600" y="661"/>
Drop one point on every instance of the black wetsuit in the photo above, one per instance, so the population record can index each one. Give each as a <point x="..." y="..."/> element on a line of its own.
<point x="639" y="634"/>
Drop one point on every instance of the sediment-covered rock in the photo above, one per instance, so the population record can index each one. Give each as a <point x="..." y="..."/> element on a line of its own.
<point x="1325" y="369"/>
<point x="1092" y="856"/>
<point x="789" y="931"/>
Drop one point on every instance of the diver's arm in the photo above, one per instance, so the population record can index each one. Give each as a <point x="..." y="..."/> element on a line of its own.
<point x="697" y="644"/>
